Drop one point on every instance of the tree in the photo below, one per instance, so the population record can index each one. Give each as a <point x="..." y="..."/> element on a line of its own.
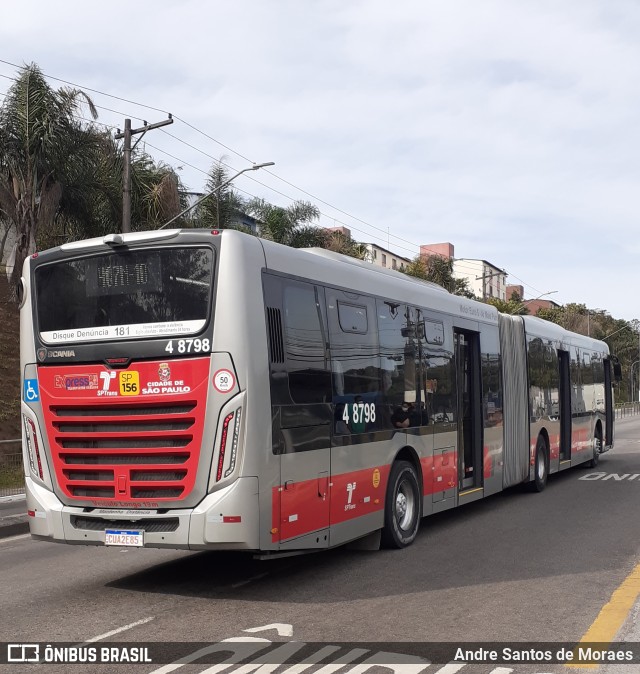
<point x="40" y="138"/>
<point x="438" y="269"/>
<point x="339" y="242"/>
<point x="155" y="193"/>
<point x="221" y="208"/>
<point x="514" y="305"/>
<point x="290" y="226"/>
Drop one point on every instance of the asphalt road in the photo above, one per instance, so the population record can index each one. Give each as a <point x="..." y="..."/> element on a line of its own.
<point x="516" y="567"/>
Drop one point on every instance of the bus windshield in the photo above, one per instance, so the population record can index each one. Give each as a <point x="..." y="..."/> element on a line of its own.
<point x="124" y="295"/>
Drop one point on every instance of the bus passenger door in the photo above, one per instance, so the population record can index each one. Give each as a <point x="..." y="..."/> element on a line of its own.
<point x="301" y="412"/>
<point x="470" y="465"/>
<point x="565" y="406"/>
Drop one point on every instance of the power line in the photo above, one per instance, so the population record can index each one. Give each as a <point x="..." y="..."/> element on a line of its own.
<point x="96" y="91"/>
<point x="239" y="154"/>
<point x="215" y="140"/>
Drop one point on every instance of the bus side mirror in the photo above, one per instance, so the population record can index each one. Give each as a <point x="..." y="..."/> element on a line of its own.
<point x="617" y="370"/>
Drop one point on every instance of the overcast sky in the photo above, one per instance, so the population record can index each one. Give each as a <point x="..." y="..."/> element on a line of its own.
<point x="510" y="129"/>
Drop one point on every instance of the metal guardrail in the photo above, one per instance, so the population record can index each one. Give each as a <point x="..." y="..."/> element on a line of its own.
<point x="627" y="409"/>
<point x="11" y="474"/>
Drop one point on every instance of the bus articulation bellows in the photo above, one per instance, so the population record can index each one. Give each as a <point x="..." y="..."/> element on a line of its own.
<point x="212" y="390"/>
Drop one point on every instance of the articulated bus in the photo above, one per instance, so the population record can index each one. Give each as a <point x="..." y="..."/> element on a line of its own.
<point x="212" y="390"/>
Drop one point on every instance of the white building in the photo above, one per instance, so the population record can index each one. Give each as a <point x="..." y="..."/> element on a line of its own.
<point x="485" y="280"/>
<point x="385" y="258"/>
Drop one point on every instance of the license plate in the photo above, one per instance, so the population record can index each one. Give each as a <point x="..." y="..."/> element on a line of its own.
<point x="122" y="537"/>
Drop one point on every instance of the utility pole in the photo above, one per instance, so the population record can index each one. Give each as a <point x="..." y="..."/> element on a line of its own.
<point x="255" y="167"/>
<point x="126" y="173"/>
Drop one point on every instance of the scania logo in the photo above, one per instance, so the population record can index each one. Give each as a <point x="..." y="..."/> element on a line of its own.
<point x="44" y="354"/>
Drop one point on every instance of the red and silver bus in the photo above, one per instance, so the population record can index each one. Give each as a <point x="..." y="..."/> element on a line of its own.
<point x="213" y="390"/>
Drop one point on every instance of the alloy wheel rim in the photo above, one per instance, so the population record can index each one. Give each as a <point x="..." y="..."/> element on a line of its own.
<point x="405" y="505"/>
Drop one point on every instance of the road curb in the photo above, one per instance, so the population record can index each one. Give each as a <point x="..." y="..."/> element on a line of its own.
<point x="13" y="498"/>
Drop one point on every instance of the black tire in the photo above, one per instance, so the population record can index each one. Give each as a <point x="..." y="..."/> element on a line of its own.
<point x="403" y="506"/>
<point x="597" y="448"/>
<point x="541" y="466"/>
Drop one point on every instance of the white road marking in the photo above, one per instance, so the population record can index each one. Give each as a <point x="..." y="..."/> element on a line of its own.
<point x="223" y="646"/>
<point x="118" y="630"/>
<point x="312" y="660"/>
<point x="451" y="668"/>
<point x="283" y="629"/>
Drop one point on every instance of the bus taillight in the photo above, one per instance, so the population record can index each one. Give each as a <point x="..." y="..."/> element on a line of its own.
<point x="234" y="444"/>
<point x="32" y="446"/>
<point x="223" y="445"/>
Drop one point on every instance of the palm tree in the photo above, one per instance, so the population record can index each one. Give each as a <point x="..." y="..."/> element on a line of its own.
<point x="340" y="242"/>
<point x="61" y="178"/>
<point x="290" y="226"/>
<point x="40" y="138"/>
<point x="156" y="193"/>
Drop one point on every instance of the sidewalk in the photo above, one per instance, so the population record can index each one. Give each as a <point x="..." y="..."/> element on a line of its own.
<point x="13" y="516"/>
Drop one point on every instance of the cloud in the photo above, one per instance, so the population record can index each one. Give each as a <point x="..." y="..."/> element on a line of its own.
<point x="509" y="129"/>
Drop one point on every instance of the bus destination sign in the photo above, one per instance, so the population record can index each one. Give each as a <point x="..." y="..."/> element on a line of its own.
<point x="131" y="331"/>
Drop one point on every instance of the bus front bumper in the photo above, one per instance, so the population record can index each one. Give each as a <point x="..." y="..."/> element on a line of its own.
<point x="224" y="520"/>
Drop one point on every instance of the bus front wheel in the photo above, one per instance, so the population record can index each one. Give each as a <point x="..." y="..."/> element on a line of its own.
<point x="597" y="448"/>
<point x="402" y="506"/>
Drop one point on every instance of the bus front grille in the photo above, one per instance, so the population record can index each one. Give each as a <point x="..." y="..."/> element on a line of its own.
<point x="126" y="452"/>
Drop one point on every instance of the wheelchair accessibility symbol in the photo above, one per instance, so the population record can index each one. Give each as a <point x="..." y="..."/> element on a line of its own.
<point x="31" y="393"/>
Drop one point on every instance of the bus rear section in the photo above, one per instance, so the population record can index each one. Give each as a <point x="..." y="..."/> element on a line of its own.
<point x="132" y="420"/>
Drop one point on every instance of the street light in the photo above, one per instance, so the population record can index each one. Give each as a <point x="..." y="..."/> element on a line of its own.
<point x="543" y="295"/>
<point x="615" y="332"/>
<point x="255" y="167"/>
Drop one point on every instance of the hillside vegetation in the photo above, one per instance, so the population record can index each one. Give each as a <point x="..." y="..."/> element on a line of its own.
<point x="9" y="369"/>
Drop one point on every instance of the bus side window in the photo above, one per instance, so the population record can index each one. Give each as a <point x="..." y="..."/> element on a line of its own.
<point x="400" y="332"/>
<point x="355" y="361"/>
<point x="305" y="344"/>
<point x="440" y="380"/>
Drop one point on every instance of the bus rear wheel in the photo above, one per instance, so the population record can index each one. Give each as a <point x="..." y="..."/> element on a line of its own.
<point x="402" y="506"/>
<point x="541" y="466"/>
